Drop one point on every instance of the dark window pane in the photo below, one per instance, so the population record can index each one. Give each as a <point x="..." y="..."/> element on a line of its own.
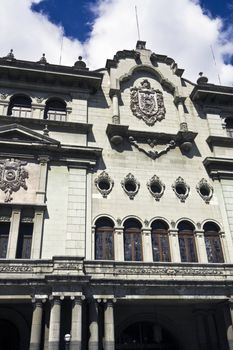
<point x="24" y="241"/>
<point x="4" y="236"/>
<point x="104" y="243"/>
<point x="213" y="248"/>
<point x="132" y="243"/>
<point x="160" y="245"/>
<point x="187" y="246"/>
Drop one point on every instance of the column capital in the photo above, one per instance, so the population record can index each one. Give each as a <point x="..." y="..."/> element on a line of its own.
<point x="39" y="298"/>
<point x="109" y="300"/>
<point x="172" y="232"/>
<point x="43" y="159"/>
<point x="199" y="233"/>
<point x="77" y="298"/>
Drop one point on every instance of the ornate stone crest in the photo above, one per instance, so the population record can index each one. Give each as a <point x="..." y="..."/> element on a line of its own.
<point x="147" y="103"/>
<point x="156" y="187"/>
<point x="130" y="185"/>
<point x="181" y="189"/>
<point x="104" y="184"/>
<point x="205" y="190"/>
<point x="12" y="176"/>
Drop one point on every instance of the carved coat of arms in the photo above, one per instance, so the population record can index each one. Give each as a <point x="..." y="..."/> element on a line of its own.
<point x="147" y="103"/>
<point x="12" y="176"/>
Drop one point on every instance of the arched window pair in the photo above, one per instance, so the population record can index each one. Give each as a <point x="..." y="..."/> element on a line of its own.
<point x="21" y="106"/>
<point x="104" y="241"/>
<point x="188" y="252"/>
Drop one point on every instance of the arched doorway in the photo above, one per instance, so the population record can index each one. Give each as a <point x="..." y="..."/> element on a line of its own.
<point x="145" y="335"/>
<point x="9" y="336"/>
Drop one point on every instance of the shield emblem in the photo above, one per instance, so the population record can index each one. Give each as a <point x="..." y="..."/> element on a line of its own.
<point x="147" y="103"/>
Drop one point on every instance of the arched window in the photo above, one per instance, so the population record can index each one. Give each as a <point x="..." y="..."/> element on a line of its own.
<point x="55" y="109"/>
<point x="160" y="242"/>
<point x="213" y="243"/>
<point x="20" y="106"/>
<point x="229" y="126"/>
<point x="132" y="240"/>
<point x="104" y="249"/>
<point x="187" y="242"/>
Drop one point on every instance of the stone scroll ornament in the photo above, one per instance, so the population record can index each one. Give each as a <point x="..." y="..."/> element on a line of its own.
<point x="147" y="103"/>
<point x="12" y="177"/>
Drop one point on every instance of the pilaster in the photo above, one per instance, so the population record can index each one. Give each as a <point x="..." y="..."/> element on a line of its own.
<point x="119" y="243"/>
<point x="14" y="231"/>
<point x="54" y="324"/>
<point x="37" y="234"/>
<point x="35" y="340"/>
<point x="76" y="323"/>
<point x="41" y="191"/>
<point x="147" y="245"/>
<point x="109" y="335"/>
<point x="174" y="245"/>
<point x="93" y="342"/>
<point x="201" y="248"/>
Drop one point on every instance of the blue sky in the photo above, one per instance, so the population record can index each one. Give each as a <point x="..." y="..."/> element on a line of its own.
<point x="76" y="16"/>
<point x="185" y="30"/>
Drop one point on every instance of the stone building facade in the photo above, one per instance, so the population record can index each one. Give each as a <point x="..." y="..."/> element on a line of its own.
<point x="116" y="206"/>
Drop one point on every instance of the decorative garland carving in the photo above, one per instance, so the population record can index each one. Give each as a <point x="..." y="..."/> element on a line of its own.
<point x="205" y="190"/>
<point x="155" y="181"/>
<point x="147" y="103"/>
<point x="130" y="185"/>
<point x="152" y="154"/>
<point x="181" y="189"/>
<point x="104" y="184"/>
<point x="12" y="176"/>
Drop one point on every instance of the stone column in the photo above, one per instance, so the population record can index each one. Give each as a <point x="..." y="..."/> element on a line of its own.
<point x="119" y="243"/>
<point x="179" y="100"/>
<point x="174" y="245"/>
<point x="76" y="323"/>
<point x="109" y="336"/>
<point x="230" y="328"/>
<point x="36" y="325"/>
<point x="37" y="232"/>
<point x="201" y="248"/>
<point x="147" y="245"/>
<point x="54" y="324"/>
<point x="41" y="191"/>
<point x="93" y="342"/>
<point x="115" y="109"/>
<point x="14" y="231"/>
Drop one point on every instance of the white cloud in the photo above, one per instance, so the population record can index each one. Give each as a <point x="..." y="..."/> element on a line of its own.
<point x="178" y="28"/>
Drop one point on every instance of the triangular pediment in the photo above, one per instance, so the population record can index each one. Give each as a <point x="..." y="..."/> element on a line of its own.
<point x="19" y="133"/>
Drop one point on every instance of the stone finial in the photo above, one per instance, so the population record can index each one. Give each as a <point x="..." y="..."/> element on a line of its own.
<point x="46" y="131"/>
<point x="80" y="64"/>
<point x="43" y="59"/>
<point x="202" y="79"/>
<point x="141" y="45"/>
<point x="10" y="56"/>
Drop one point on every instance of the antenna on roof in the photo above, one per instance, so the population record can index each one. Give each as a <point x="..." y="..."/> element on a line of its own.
<point x="61" y="47"/>
<point x="212" y="51"/>
<point x="136" y="13"/>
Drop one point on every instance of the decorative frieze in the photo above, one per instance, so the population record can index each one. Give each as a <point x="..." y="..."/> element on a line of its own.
<point x="153" y="154"/>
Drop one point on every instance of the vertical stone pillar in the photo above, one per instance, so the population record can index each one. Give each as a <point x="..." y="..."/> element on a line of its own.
<point x="179" y="100"/>
<point x="37" y="111"/>
<point x="90" y="243"/>
<point x="115" y="109"/>
<point x="37" y="232"/>
<point x="174" y="245"/>
<point x="76" y="323"/>
<point x="201" y="248"/>
<point x="36" y="324"/>
<point x="3" y="107"/>
<point x="13" y="237"/>
<point x="119" y="243"/>
<point x="147" y="245"/>
<point x="41" y="191"/>
<point x="109" y="332"/>
<point x="93" y="342"/>
<point x="54" y="324"/>
<point x="230" y="327"/>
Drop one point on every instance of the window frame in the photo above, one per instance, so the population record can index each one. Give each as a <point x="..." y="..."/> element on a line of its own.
<point x="159" y="233"/>
<point x="132" y="232"/>
<point x="186" y="235"/>
<point x="211" y="236"/>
